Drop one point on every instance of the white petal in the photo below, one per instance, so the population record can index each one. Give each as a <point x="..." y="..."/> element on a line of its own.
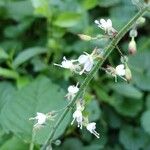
<point x="41" y="118"/>
<point x="91" y="126"/>
<point x="109" y="23"/>
<point x="88" y="66"/>
<point x="96" y="22"/>
<point x="120" y="70"/>
<point x="82" y="59"/>
<point x="67" y="64"/>
<point x="73" y="89"/>
<point x="103" y="22"/>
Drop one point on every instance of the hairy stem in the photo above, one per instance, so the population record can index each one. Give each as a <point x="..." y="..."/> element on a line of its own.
<point x="107" y="52"/>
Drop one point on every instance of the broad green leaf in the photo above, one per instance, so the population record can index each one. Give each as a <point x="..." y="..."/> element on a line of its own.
<point x="41" y="7"/>
<point x="88" y="4"/>
<point x="3" y="54"/>
<point x="6" y="93"/>
<point x="113" y="119"/>
<point x="132" y="138"/>
<point x="139" y="65"/>
<point x="145" y="121"/>
<point x="127" y="107"/>
<point x="108" y="3"/>
<point x="14" y="144"/>
<point x="19" y="9"/>
<point x="93" y="110"/>
<point x="7" y="73"/>
<point x="148" y="102"/>
<point x="127" y="90"/>
<point x="40" y="95"/>
<point x="67" y="19"/>
<point x="28" y="54"/>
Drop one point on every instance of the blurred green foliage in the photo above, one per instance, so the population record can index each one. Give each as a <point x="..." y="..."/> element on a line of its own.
<point x="34" y="35"/>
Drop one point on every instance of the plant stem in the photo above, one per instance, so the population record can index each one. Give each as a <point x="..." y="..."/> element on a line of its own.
<point x="107" y="51"/>
<point x="32" y="141"/>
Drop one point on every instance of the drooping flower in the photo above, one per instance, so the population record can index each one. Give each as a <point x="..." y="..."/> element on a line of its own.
<point x="77" y="115"/>
<point x="72" y="90"/>
<point x="106" y="25"/>
<point x="120" y="70"/>
<point x="91" y="128"/>
<point x="87" y="61"/>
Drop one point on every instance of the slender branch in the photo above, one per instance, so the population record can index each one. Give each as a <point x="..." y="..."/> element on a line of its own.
<point x="107" y="50"/>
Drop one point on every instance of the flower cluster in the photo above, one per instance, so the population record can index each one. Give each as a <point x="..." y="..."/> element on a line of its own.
<point x="106" y="25"/>
<point x="83" y="64"/>
<point x="122" y="70"/>
<point x="83" y="121"/>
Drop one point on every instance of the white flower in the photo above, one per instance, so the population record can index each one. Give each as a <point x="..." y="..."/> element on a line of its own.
<point x="72" y="90"/>
<point x="87" y="61"/>
<point x="106" y="25"/>
<point x="77" y="115"/>
<point x="91" y="128"/>
<point x="41" y="119"/>
<point x="120" y="70"/>
<point x="69" y="64"/>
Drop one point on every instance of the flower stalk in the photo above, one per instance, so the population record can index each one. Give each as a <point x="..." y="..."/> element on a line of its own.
<point x="107" y="52"/>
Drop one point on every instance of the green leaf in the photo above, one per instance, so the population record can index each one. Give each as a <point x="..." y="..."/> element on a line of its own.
<point x="127" y="90"/>
<point x="93" y="110"/>
<point x="14" y="144"/>
<point x="28" y="54"/>
<point x="127" y="107"/>
<point x="148" y="102"/>
<point x="41" y="7"/>
<point x="3" y="54"/>
<point x="132" y="138"/>
<point x="145" y="121"/>
<point x="6" y="93"/>
<point x="7" y="73"/>
<point x="139" y="65"/>
<point x="108" y="3"/>
<point x="40" y="95"/>
<point x="19" y="9"/>
<point x="67" y="19"/>
<point x="88" y="4"/>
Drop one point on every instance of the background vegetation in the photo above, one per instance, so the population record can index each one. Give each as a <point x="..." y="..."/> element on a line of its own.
<point x="32" y="39"/>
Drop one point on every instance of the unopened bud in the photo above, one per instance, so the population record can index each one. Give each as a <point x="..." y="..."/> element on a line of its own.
<point x="132" y="47"/>
<point x="133" y="33"/>
<point x="128" y="74"/>
<point x="85" y="37"/>
<point x="140" y="21"/>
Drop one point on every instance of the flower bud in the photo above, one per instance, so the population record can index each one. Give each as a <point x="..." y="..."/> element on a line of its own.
<point x="132" y="47"/>
<point x="133" y="33"/>
<point x="128" y="74"/>
<point x="140" y="21"/>
<point x="85" y="37"/>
